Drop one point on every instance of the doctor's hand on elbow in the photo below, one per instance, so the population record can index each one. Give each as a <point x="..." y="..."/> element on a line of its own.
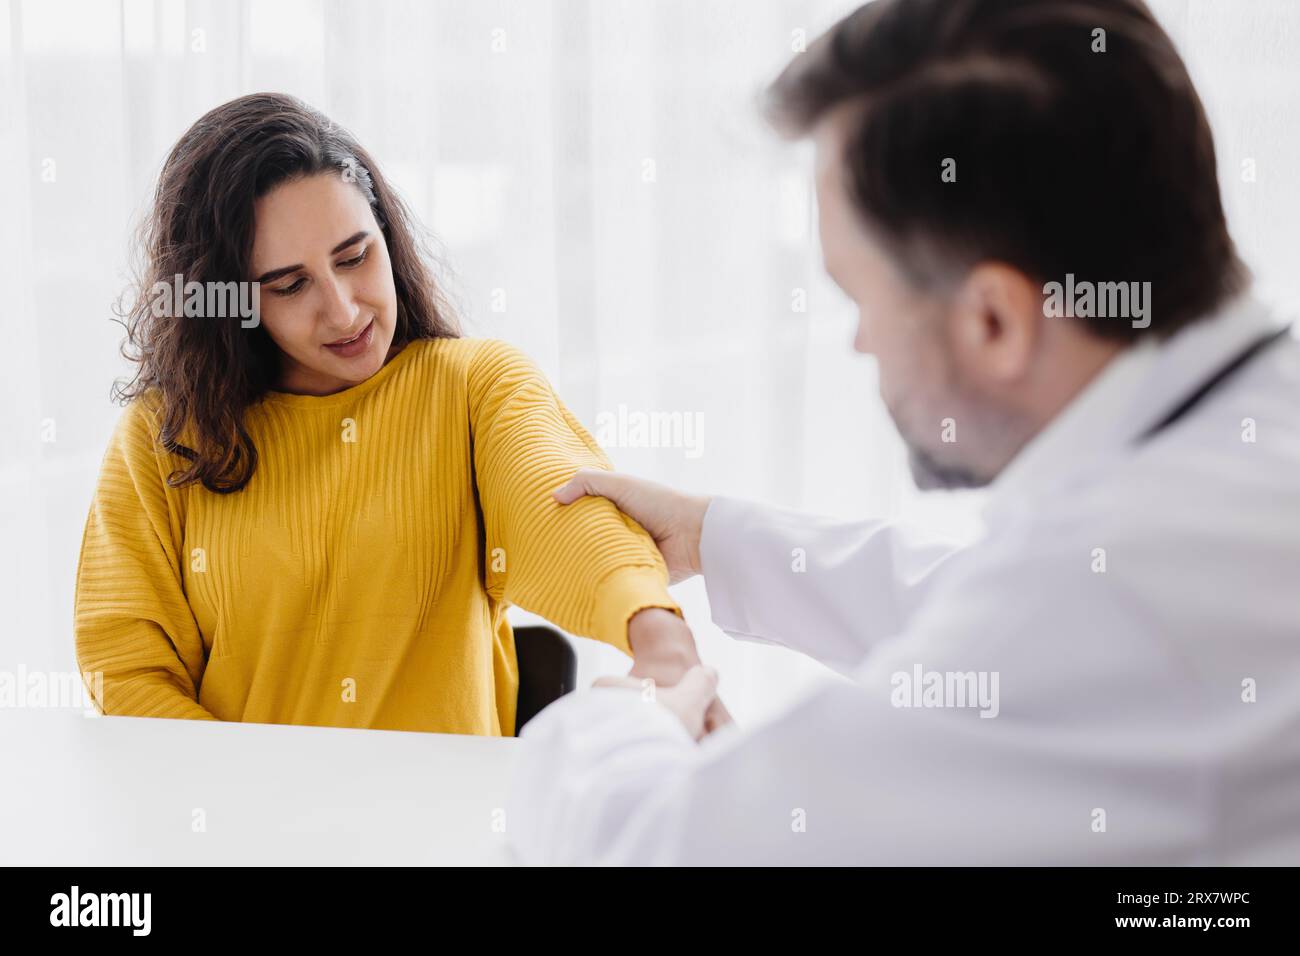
<point x="672" y="518"/>
<point x="691" y="698"/>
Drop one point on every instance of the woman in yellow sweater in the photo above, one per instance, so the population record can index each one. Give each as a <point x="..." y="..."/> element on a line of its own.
<point x="318" y="513"/>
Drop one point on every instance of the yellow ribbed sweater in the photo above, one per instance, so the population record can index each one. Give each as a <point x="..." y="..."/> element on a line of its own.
<point x="361" y="578"/>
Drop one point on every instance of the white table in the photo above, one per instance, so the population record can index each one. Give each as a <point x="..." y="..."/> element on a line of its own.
<point x="80" y="790"/>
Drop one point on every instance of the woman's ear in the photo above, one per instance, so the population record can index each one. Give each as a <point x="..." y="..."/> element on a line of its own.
<point x="996" y="324"/>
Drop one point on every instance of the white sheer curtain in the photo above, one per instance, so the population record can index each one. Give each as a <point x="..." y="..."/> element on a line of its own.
<point x="607" y="198"/>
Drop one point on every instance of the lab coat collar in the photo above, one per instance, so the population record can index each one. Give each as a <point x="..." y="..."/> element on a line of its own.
<point x="1131" y="393"/>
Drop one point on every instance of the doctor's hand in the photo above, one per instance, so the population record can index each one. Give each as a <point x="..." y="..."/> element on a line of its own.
<point x="672" y="518"/>
<point x="690" y="698"/>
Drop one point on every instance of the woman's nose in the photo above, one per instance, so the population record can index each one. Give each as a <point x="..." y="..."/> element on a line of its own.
<point x="339" y="309"/>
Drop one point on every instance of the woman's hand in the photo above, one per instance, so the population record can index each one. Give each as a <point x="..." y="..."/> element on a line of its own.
<point x="672" y="518"/>
<point x="663" y="650"/>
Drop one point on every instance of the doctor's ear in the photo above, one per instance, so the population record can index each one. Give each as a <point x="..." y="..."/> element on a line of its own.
<point x="995" y="324"/>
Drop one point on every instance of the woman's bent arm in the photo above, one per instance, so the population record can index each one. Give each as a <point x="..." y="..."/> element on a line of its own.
<point x="137" y="641"/>
<point x="587" y="567"/>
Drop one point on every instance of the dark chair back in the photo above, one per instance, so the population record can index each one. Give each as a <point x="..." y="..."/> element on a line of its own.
<point x="548" y="669"/>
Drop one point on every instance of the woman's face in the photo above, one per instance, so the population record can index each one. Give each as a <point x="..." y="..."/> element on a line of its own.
<point x="327" y="296"/>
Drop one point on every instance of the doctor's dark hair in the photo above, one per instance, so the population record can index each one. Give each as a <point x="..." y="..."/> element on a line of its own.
<point x="206" y="372"/>
<point x="1067" y="159"/>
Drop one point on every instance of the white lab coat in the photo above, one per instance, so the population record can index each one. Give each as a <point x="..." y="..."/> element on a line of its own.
<point x="1145" y="713"/>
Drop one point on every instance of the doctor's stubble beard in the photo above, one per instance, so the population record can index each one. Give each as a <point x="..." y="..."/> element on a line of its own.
<point x="998" y="433"/>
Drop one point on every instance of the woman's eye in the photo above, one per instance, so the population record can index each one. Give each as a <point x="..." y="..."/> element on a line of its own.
<point x="290" y="289"/>
<point x="300" y="281"/>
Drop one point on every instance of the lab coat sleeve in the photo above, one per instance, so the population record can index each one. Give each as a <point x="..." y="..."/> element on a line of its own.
<point x="588" y="778"/>
<point x="828" y="589"/>
<point x="1062" y="762"/>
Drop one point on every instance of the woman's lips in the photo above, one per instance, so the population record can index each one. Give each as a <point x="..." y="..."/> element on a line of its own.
<point x="357" y="345"/>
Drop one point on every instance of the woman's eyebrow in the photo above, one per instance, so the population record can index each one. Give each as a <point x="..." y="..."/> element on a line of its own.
<point x="285" y="270"/>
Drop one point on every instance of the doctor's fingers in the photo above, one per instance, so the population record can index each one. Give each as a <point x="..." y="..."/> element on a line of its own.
<point x="691" y="697"/>
<point x="675" y="520"/>
<point x="717" y="716"/>
<point x="649" y="687"/>
<point x="648" y="504"/>
<point x="622" y="680"/>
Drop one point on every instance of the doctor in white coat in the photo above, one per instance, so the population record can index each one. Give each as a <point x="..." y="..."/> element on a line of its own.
<point x="1111" y="675"/>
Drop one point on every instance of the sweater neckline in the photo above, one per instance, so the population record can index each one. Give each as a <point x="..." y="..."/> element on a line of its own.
<point x="349" y="394"/>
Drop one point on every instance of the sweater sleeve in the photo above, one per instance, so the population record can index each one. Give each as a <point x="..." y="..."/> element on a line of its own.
<point x="138" y="645"/>
<point x="585" y="566"/>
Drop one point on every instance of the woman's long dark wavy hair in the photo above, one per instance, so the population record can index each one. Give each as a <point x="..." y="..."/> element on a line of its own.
<point x="207" y="372"/>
